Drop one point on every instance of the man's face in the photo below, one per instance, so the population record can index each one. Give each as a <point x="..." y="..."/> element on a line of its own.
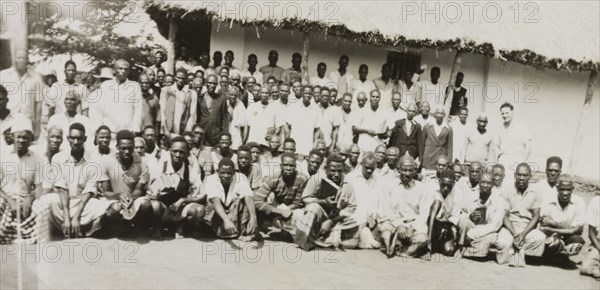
<point x="361" y="100"/>
<point x="347" y="103"/>
<point x="217" y="58"/>
<point x="407" y="77"/>
<point x="144" y="84"/>
<point x="255" y="153"/>
<point x="71" y="102"/>
<point x="334" y="171"/>
<point x="343" y="63"/>
<point x="21" y="60"/>
<point x="70" y="72"/>
<point x="296" y="62"/>
<point x="284" y="92"/>
<point x="121" y="70"/>
<point x="354" y="154"/>
<point x="459" y="80"/>
<point x="3" y="101"/>
<point x="76" y="140"/>
<point x="325" y="95"/>
<point x="386" y="72"/>
<point x="160" y="77"/>
<point x="482" y="123"/>
<point x="236" y="80"/>
<point x="446" y="185"/>
<point x="411" y="112"/>
<point x="553" y="172"/>
<point x="197" y="85"/>
<point x="507" y="114"/>
<point x="463" y="115"/>
<point x="297" y="88"/>
<point x="314" y="162"/>
<point x="226" y="174"/>
<point x="396" y="99"/>
<point x="265" y="93"/>
<point x="244" y="159"/>
<point x="441" y="165"/>
<point x="522" y="176"/>
<point x="229" y="58"/>
<point x="125" y="149"/>
<point x="323" y="149"/>
<point x="392" y="158"/>
<point x="22" y="140"/>
<point x="224" y="144"/>
<point x="474" y="173"/>
<point x="362" y="74"/>
<point x="139" y="147"/>
<point x="103" y="138"/>
<point x="224" y="82"/>
<point x="439" y="116"/>
<point x="189" y="140"/>
<point x="274" y="93"/>
<point x="169" y="81"/>
<point x="425" y="109"/>
<point x="375" y="97"/>
<point x="317" y="94"/>
<point x="288" y="167"/>
<point x="252" y="62"/>
<point x="198" y="136"/>
<point x="307" y="95"/>
<point x="368" y="167"/>
<point x="289" y="147"/>
<point x="407" y="171"/>
<point x="486" y="184"/>
<point x="204" y="60"/>
<point x="498" y="176"/>
<point x="380" y="154"/>
<point x="179" y="152"/>
<point x="434" y="74"/>
<point x="158" y="59"/>
<point x="211" y="84"/>
<point x="151" y="75"/>
<point x="55" y="139"/>
<point x="564" y="195"/>
<point x="150" y="136"/>
<point x="321" y="69"/>
<point x="273" y="57"/>
<point x="274" y="143"/>
<point x="458" y="172"/>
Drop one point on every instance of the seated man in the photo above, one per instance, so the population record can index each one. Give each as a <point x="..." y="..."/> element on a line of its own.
<point x="256" y="151"/>
<point x="246" y="167"/>
<point x="404" y="207"/>
<point x="444" y="215"/>
<point x="175" y="190"/>
<point x="390" y="169"/>
<point x="310" y="166"/>
<point x="519" y="236"/>
<point x="75" y="207"/>
<point x="562" y="220"/>
<point x="269" y="161"/>
<point x="481" y="218"/>
<point x="123" y="180"/>
<point x="330" y="202"/>
<point x="458" y="171"/>
<point x="591" y="262"/>
<point x="279" y="198"/>
<point x="231" y="212"/>
<point x="223" y="149"/>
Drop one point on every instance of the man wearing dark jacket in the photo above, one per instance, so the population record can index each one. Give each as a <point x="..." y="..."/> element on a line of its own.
<point x="407" y="134"/>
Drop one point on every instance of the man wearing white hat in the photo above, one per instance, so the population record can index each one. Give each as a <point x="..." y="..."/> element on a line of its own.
<point x="21" y="184"/>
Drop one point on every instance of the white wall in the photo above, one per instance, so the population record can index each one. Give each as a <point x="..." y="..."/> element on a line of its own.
<point x="549" y="102"/>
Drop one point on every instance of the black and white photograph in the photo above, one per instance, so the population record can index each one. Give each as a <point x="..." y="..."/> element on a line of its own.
<point x="256" y="144"/>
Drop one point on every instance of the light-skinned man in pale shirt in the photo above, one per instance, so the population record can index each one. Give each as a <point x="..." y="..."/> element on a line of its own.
<point x="341" y="76"/>
<point x="118" y="102"/>
<point x="513" y="140"/>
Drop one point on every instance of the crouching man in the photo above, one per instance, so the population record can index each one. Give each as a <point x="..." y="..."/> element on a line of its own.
<point x="175" y="191"/>
<point x="230" y="211"/>
<point x="480" y="220"/>
<point x="445" y="214"/>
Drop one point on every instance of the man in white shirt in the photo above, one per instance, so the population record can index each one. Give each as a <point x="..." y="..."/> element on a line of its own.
<point x="424" y="118"/>
<point x="331" y="119"/>
<point x="229" y="57"/>
<point x="56" y="93"/>
<point x="261" y="119"/>
<point x="251" y="71"/>
<point x="118" y="102"/>
<point x="345" y="134"/>
<point x="341" y="76"/>
<point x="305" y="124"/>
<point x="409" y="90"/>
<point x="395" y="112"/>
<point x="513" y="140"/>
<point x="238" y="126"/>
<point x="432" y="90"/>
<point x="320" y="79"/>
<point x="70" y="116"/>
<point x="460" y="128"/>
<point x="362" y="84"/>
<point x="385" y="85"/>
<point x="272" y="69"/>
<point x="370" y="124"/>
<point x="294" y="73"/>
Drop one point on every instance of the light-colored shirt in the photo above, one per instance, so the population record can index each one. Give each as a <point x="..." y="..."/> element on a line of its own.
<point x="511" y="141"/>
<point x="593" y="214"/>
<point x="422" y="121"/>
<point x="521" y="206"/>
<point x="477" y="146"/>
<point x="123" y="180"/>
<point x="257" y="75"/>
<point x="367" y="193"/>
<point x="118" y="106"/>
<point x="386" y="90"/>
<point x="451" y="204"/>
<point x="64" y="121"/>
<point x="494" y="215"/>
<point x="260" y="118"/>
<point x="459" y="134"/>
<point x="196" y="187"/>
<point x="19" y="176"/>
<point x="25" y="94"/>
<point x="343" y="83"/>
<point x="304" y="122"/>
<point x="77" y="178"/>
<point x="573" y="214"/>
<point x="322" y="82"/>
<point x="181" y="104"/>
<point x="345" y="134"/>
<point x="239" y="188"/>
<point x="393" y="116"/>
<point x="269" y="71"/>
<point x="291" y="74"/>
<point x="370" y="120"/>
<point x="55" y="97"/>
<point x="548" y="193"/>
<point x="409" y="95"/>
<point x="405" y="205"/>
<point x="238" y="120"/>
<point x="432" y="93"/>
<point x="357" y="86"/>
<point x="331" y="117"/>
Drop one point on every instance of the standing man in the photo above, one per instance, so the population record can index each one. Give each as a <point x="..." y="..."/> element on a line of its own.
<point x="409" y="90"/>
<point x="341" y="77"/>
<point x="423" y="118"/>
<point x="459" y="133"/>
<point x="212" y="114"/>
<point x="345" y="134"/>
<point x="513" y="140"/>
<point x="70" y="116"/>
<point x="238" y="126"/>
<point x="362" y="84"/>
<point x="432" y="91"/>
<point x="55" y="98"/>
<point x="458" y="97"/>
<point x="158" y="62"/>
<point x="478" y="143"/>
<point x="320" y="79"/>
<point x="406" y="134"/>
<point x="261" y="119"/>
<point x="395" y="112"/>
<point x="520" y="236"/>
<point x="437" y="139"/>
<point x="370" y="125"/>
<point x="272" y="69"/>
<point x="151" y="114"/>
<point x="305" y="124"/>
<point x="295" y="72"/>
<point x="118" y="102"/>
<point x="229" y="57"/>
<point x="251" y="71"/>
<point x="331" y="119"/>
<point x="385" y="85"/>
<point x="178" y="106"/>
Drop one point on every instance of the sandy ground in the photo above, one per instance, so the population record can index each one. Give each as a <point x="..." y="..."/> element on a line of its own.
<point x="189" y="263"/>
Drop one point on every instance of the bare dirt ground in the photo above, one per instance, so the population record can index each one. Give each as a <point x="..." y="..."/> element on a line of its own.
<point x="188" y="263"/>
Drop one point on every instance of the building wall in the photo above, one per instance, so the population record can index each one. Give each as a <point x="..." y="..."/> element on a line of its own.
<point x="549" y="102"/>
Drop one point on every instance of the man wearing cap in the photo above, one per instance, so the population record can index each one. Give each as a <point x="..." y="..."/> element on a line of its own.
<point x="118" y="102"/>
<point x="480" y="219"/>
<point x="547" y="188"/>
<point x="124" y="180"/>
<point x="57" y="93"/>
<point x="520" y="236"/>
<point x="403" y="212"/>
<point x="22" y="217"/>
<point x="562" y="220"/>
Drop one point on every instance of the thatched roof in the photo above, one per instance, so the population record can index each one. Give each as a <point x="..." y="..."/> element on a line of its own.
<point x="561" y="35"/>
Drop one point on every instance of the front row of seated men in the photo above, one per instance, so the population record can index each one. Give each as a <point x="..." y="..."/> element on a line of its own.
<point x="360" y="209"/>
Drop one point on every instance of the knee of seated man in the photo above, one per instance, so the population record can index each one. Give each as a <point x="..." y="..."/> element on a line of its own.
<point x="114" y="210"/>
<point x="313" y="207"/>
<point x="536" y="236"/>
<point x="145" y="204"/>
<point x="419" y="238"/>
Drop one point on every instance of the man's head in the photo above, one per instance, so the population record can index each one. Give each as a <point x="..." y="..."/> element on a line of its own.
<point x="76" y="137"/>
<point x="368" y="164"/>
<point x="434" y="74"/>
<point x="21" y="60"/>
<point x="103" y="137"/>
<point x="252" y="61"/>
<point x="150" y="74"/>
<point x="288" y="164"/>
<point x="482" y="121"/>
<point x="72" y="101"/>
<point x="315" y="159"/>
<point x="284" y="92"/>
<point x="273" y="57"/>
<point x="458" y="171"/>
<point x="255" y="151"/>
<point x="289" y="146"/>
<point x="306" y="94"/>
<point x="361" y="99"/>
<point x="145" y="84"/>
<point x="485" y="184"/>
<point x="296" y="60"/>
<point x="70" y="70"/>
<point x="169" y="80"/>
<point x="274" y="143"/>
<point x="189" y="137"/>
<point x="522" y="176"/>
<point x="233" y="93"/>
<point x="229" y="57"/>
<point x="217" y="58"/>
<point x="22" y="134"/>
<point x="179" y="150"/>
<point x="244" y="157"/>
<point x="441" y="164"/>
<point x="475" y="171"/>
<point x="225" y="143"/>
<point x="344" y="61"/>
<point x="424" y="108"/>
<point x="354" y="153"/>
<point x="211" y="84"/>
<point x="407" y="169"/>
<point x="321" y="69"/>
<point x="325" y="95"/>
<point x="204" y="59"/>
<point x="297" y="88"/>
<point x="317" y="94"/>
<point x="3" y="99"/>
<point x="235" y="79"/>
<point x="459" y="79"/>
<point x="565" y="189"/>
<point x="553" y="169"/>
<point x="125" y="145"/>
<point x="375" y="98"/>
<point x="274" y="92"/>
<point x="224" y="82"/>
<point x="380" y="154"/>
<point x="407" y="76"/>
<point x="226" y="171"/>
<point x="334" y="168"/>
<point x="463" y="114"/>
<point x="392" y="154"/>
<point x="265" y="93"/>
<point x="158" y="58"/>
<point x="507" y="110"/>
<point x="411" y="111"/>
<point x="363" y="71"/>
<point x="149" y="134"/>
<point x="121" y="70"/>
<point x="160" y="76"/>
<point x="396" y="100"/>
<point x="446" y="181"/>
<point x="498" y="174"/>
<point x="347" y="101"/>
<point x="55" y="138"/>
<point x="322" y="148"/>
<point x="199" y="74"/>
<point x="197" y="85"/>
<point x="333" y="97"/>
<point x="439" y="115"/>
<point x="386" y="71"/>
<point x="139" y="146"/>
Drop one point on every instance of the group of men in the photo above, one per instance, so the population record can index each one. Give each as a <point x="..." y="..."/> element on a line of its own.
<point x="255" y="152"/>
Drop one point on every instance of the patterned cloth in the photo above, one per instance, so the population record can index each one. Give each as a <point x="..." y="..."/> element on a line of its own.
<point x="33" y="228"/>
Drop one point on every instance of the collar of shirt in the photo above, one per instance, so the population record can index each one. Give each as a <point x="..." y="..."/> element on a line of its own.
<point x="170" y="170"/>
